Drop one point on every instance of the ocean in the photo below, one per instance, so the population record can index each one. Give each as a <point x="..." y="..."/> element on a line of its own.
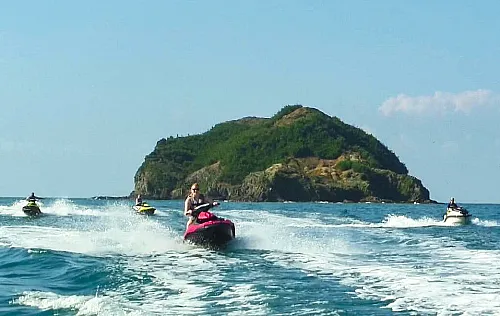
<point x="94" y="257"/>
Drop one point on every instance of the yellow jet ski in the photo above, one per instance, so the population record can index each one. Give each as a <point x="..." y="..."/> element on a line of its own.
<point x="32" y="209"/>
<point x="144" y="209"/>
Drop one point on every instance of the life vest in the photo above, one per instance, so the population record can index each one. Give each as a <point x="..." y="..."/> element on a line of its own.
<point x="196" y="202"/>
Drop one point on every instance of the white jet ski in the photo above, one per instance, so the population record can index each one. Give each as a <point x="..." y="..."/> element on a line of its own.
<point x="457" y="215"/>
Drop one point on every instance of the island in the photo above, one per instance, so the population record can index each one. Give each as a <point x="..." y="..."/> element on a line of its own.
<point x="299" y="154"/>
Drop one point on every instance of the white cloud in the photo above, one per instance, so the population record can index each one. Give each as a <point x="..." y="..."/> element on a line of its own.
<point x="440" y="102"/>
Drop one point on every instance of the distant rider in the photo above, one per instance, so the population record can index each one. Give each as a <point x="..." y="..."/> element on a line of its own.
<point x="33" y="197"/>
<point x="194" y="199"/>
<point x="452" y="203"/>
<point x="138" y="200"/>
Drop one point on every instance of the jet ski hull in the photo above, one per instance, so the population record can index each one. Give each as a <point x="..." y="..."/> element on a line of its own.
<point x="458" y="216"/>
<point x="144" y="209"/>
<point x="31" y="210"/>
<point x="216" y="233"/>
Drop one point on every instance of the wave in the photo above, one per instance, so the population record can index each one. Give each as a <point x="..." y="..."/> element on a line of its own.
<point x="429" y="274"/>
<point x="126" y="236"/>
<point x="85" y="305"/>
<point x="59" y="207"/>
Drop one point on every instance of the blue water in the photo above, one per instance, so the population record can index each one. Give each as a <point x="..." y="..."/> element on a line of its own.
<point x="87" y="257"/>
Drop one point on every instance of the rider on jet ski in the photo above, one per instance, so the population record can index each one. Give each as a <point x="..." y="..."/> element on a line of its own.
<point x="138" y="200"/>
<point x="452" y="204"/>
<point x="31" y="208"/>
<point x="194" y="199"/>
<point x="33" y="197"/>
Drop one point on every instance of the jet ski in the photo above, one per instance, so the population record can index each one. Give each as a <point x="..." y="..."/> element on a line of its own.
<point x="457" y="215"/>
<point x="32" y="209"/>
<point x="144" y="209"/>
<point x="208" y="229"/>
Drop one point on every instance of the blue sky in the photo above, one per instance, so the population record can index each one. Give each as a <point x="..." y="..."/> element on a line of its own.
<point x="87" y="88"/>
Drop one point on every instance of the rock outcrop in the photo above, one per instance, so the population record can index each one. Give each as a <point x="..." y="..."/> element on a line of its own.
<point x="310" y="179"/>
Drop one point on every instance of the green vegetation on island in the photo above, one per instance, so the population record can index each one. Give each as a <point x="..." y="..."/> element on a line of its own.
<point x="299" y="154"/>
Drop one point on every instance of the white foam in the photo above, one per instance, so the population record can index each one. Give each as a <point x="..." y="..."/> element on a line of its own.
<point x="85" y="305"/>
<point x="126" y="235"/>
<point x="245" y="297"/>
<point x="49" y="300"/>
<point x="65" y="207"/>
<point x="60" y="207"/>
<point x="16" y="209"/>
<point x="174" y="285"/>
<point x="486" y="223"/>
<point x="280" y="233"/>
<point x="402" y="221"/>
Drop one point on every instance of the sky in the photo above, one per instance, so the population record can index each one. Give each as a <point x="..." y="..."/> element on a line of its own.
<point x="87" y="88"/>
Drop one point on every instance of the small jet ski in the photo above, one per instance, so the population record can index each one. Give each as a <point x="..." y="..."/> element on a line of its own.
<point x="144" y="209"/>
<point x="32" y="209"/>
<point x="457" y="215"/>
<point x="208" y="229"/>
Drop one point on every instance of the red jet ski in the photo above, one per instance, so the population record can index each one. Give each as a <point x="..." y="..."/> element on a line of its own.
<point x="208" y="229"/>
